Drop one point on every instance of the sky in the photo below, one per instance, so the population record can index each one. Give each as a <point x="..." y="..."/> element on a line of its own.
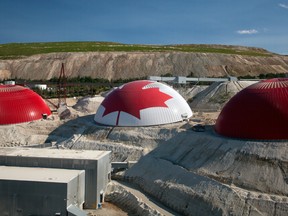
<point x="256" y="23"/>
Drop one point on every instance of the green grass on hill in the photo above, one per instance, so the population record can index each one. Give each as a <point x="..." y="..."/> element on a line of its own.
<point x="19" y="50"/>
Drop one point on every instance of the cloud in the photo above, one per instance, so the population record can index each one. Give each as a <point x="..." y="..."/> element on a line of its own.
<point x="247" y="31"/>
<point x="283" y="6"/>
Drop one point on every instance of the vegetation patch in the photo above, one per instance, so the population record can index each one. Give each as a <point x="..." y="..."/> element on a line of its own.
<point x="20" y="50"/>
<point x="264" y="76"/>
<point x="74" y="86"/>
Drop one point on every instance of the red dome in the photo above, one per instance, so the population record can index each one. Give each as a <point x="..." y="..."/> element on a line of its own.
<point x="19" y="104"/>
<point x="259" y="111"/>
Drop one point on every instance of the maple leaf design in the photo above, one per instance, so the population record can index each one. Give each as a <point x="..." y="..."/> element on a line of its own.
<point x="133" y="97"/>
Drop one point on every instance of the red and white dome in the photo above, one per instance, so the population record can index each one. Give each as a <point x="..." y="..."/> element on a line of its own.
<point x="142" y="103"/>
<point x="259" y="111"/>
<point x="19" y="104"/>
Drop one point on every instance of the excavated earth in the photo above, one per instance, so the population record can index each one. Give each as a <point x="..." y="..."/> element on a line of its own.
<point x="193" y="173"/>
<point x="123" y="65"/>
<point x="201" y="173"/>
<point x="214" y="97"/>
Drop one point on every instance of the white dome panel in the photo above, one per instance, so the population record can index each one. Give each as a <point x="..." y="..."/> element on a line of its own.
<point x="142" y="103"/>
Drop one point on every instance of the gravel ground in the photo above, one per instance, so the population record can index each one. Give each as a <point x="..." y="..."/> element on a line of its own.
<point x="107" y="209"/>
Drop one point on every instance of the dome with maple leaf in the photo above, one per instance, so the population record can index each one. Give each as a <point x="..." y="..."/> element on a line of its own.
<point x="19" y="104"/>
<point x="142" y="103"/>
<point x="257" y="112"/>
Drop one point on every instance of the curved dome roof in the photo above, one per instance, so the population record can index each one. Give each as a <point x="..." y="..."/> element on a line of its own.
<point x="142" y="103"/>
<point x="19" y="104"/>
<point x="259" y="111"/>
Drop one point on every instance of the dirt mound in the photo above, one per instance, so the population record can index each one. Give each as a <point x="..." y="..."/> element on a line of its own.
<point x="205" y="174"/>
<point x="190" y="92"/>
<point x="217" y="95"/>
<point x="88" y="104"/>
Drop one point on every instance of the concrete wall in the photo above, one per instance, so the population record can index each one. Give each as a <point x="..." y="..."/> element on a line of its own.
<point x="32" y="198"/>
<point x="40" y="197"/>
<point x="76" y="191"/>
<point x="103" y="170"/>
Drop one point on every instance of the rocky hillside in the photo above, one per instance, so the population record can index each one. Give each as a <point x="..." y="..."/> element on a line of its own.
<point x="123" y="65"/>
<point x="204" y="174"/>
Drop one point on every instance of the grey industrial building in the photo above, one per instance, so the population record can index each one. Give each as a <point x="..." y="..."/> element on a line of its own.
<point x="40" y="191"/>
<point x="96" y="164"/>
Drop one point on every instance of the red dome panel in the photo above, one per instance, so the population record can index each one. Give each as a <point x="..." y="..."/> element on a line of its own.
<point x="259" y="111"/>
<point x="142" y="103"/>
<point x="19" y="104"/>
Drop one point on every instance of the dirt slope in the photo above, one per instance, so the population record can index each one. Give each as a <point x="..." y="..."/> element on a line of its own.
<point x="217" y="95"/>
<point x="204" y="174"/>
<point x="123" y="65"/>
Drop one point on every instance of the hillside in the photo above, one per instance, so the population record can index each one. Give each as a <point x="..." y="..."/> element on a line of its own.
<point x="112" y="61"/>
<point x="192" y="173"/>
